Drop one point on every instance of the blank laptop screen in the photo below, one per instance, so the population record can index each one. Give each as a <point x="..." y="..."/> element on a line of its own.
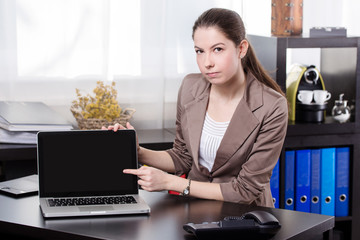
<point x="86" y="163"/>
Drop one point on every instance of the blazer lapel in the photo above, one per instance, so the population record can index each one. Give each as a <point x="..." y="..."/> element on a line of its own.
<point x="195" y="114"/>
<point x="242" y="123"/>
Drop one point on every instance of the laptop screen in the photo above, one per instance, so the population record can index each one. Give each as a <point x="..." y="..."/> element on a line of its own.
<point x="86" y="163"/>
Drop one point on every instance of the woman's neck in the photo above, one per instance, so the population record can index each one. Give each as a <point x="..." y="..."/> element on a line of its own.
<point x="232" y="91"/>
<point x="224" y="99"/>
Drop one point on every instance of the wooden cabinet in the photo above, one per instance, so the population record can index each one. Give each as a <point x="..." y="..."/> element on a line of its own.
<point x="340" y="69"/>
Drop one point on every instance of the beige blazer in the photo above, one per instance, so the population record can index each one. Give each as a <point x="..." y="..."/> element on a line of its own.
<point x="249" y="149"/>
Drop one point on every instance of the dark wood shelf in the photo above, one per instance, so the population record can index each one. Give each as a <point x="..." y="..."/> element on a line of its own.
<point x="10" y="152"/>
<point x="343" y="219"/>
<point x="339" y="77"/>
<point x="318" y="42"/>
<point x="328" y="127"/>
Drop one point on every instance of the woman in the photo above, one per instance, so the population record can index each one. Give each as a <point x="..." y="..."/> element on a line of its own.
<point x="231" y="121"/>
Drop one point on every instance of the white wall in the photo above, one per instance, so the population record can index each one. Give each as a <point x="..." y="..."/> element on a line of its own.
<point x="177" y="28"/>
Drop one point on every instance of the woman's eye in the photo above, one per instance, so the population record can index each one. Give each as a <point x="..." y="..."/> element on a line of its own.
<point x="198" y="51"/>
<point x="218" y="49"/>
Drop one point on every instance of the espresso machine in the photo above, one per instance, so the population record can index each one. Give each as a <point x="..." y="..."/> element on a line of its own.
<point x="304" y="78"/>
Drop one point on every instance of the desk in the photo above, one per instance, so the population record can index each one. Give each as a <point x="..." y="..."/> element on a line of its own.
<point x="168" y="214"/>
<point x="17" y="160"/>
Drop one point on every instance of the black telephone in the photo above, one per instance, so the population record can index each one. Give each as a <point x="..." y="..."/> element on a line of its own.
<point x="253" y="225"/>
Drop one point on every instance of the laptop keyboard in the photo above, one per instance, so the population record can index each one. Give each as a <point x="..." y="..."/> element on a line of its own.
<point x="56" y="202"/>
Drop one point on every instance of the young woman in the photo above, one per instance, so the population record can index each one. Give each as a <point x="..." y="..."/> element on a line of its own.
<point x="230" y="125"/>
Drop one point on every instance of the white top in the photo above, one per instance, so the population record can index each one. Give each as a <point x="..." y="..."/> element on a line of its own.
<point x="210" y="140"/>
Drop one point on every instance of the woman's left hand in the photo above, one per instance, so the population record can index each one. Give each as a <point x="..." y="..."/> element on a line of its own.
<point x="150" y="179"/>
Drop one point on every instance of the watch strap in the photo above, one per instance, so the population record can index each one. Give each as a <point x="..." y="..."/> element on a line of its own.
<point x="186" y="191"/>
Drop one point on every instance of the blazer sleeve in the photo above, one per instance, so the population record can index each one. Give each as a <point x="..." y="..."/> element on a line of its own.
<point x="179" y="153"/>
<point x="255" y="173"/>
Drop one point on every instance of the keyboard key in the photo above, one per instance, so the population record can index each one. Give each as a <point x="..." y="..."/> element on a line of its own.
<point x="91" y="201"/>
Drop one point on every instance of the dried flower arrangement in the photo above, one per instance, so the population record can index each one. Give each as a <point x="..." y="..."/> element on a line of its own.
<point x="93" y="112"/>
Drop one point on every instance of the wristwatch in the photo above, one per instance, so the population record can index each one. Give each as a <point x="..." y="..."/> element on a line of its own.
<point x="186" y="191"/>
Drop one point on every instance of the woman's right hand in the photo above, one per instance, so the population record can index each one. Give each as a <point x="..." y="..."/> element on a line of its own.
<point x="118" y="126"/>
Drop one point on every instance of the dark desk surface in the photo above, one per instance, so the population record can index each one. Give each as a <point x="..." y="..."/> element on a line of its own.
<point x="168" y="213"/>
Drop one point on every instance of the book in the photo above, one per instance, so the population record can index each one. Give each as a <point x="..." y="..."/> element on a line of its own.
<point x="30" y="116"/>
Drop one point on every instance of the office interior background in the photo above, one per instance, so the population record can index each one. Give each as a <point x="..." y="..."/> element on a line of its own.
<point x="48" y="48"/>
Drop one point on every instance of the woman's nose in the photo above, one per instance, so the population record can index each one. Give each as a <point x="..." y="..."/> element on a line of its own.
<point x="208" y="62"/>
<point x="208" y="66"/>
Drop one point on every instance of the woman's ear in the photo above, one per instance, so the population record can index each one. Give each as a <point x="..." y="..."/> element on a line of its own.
<point x="243" y="48"/>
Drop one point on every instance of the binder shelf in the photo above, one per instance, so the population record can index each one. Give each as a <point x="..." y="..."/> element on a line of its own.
<point x="340" y="68"/>
<point x="317" y="180"/>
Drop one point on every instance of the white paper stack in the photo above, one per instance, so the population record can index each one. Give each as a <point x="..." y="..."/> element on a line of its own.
<point x="20" y="121"/>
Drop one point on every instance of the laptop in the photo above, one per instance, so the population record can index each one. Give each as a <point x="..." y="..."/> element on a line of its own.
<point x="81" y="173"/>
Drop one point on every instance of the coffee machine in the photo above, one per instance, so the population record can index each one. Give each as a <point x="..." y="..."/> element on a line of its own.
<point x="304" y="78"/>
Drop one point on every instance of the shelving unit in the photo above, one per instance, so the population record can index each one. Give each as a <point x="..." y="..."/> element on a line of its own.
<point x="340" y="69"/>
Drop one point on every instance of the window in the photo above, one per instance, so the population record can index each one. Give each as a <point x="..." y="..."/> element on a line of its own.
<point x="64" y="38"/>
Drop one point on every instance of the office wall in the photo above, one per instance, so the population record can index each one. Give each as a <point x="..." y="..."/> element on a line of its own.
<point x="167" y="54"/>
<point x="47" y="49"/>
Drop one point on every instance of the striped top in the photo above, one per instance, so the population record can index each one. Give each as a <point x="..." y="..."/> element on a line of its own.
<point x="210" y="140"/>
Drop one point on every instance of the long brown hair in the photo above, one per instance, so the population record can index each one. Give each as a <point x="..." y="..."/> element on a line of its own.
<point x="231" y="25"/>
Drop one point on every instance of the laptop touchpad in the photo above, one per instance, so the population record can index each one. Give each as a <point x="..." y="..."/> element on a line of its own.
<point x="95" y="208"/>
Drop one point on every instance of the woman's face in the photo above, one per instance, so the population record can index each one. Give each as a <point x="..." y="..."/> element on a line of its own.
<point x="217" y="56"/>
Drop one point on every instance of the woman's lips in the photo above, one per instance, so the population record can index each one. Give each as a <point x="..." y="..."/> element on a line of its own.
<point x="212" y="74"/>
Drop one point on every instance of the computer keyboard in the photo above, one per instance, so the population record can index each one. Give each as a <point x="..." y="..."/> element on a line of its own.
<point x="56" y="202"/>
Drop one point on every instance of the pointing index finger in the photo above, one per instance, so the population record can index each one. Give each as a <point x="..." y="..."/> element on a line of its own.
<point x="132" y="171"/>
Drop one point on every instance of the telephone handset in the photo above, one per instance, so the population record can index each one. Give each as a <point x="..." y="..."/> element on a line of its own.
<point x="258" y="224"/>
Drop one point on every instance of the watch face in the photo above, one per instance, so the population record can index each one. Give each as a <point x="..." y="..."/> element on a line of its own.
<point x="186" y="191"/>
